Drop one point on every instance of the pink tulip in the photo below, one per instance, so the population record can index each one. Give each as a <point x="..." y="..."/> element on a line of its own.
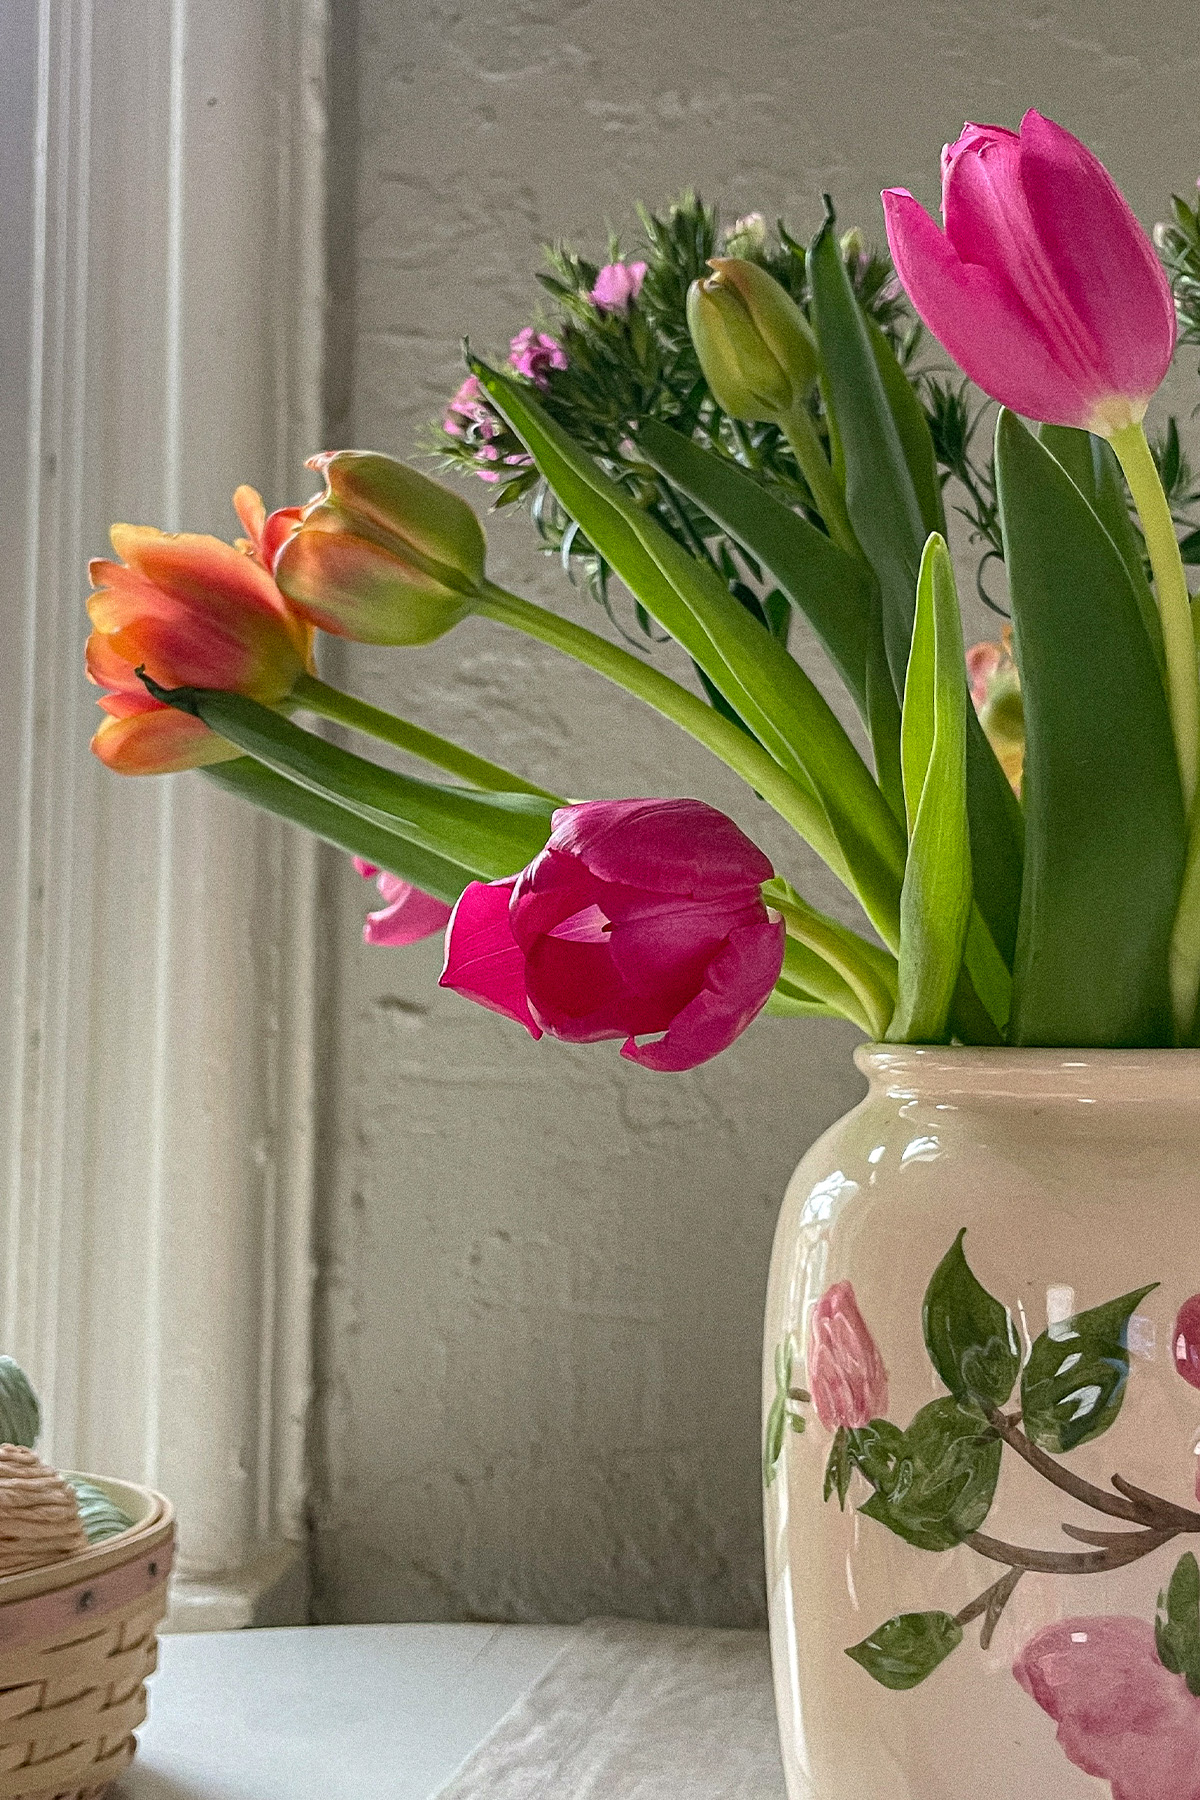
<point x="410" y="913"/>
<point x="1121" y="1715"/>
<point x="618" y="285"/>
<point x="1043" y="287"/>
<point x="846" y="1376"/>
<point x="639" y="917"/>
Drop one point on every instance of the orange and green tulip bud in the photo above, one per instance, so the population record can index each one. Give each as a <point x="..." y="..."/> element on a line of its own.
<point x="755" y="346"/>
<point x="192" y="612"/>
<point x="385" y="555"/>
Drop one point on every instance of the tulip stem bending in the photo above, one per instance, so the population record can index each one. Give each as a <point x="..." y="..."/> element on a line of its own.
<point x="793" y="799"/>
<point x="798" y="428"/>
<point x="869" y="972"/>
<point x="316" y="696"/>
<point x="1183" y="698"/>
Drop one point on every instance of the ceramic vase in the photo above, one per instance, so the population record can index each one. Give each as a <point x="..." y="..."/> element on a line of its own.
<point x="981" y="1422"/>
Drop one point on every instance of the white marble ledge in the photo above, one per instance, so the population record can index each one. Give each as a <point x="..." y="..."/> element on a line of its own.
<point x="341" y="1712"/>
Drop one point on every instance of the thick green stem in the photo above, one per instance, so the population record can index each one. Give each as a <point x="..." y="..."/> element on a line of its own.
<point x="1174" y="604"/>
<point x="1183" y="699"/>
<point x="868" y="972"/>
<point x="796" y="802"/>
<point x="316" y="696"/>
<point x="801" y="434"/>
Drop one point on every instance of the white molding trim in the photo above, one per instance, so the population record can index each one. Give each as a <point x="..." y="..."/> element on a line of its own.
<point x="157" y="1106"/>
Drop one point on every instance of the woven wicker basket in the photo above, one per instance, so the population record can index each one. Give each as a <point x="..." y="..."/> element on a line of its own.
<point x="77" y="1641"/>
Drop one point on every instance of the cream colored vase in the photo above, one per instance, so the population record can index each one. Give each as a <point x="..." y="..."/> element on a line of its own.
<point x="982" y="1417"/>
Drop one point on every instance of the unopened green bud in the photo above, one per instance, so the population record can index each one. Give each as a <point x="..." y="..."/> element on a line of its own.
<point x="385" y="555"/>
<point x="853" y="245"/>
<point x="756" y="349"/>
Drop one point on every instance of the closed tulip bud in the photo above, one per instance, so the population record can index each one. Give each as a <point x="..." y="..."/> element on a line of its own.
<point x="385" y="555"/>
<point x="756" y="349"/>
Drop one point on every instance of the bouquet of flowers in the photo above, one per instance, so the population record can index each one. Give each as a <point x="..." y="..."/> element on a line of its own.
<point x="732" y="428"/>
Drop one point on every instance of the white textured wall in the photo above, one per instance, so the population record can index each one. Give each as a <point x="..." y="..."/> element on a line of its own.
<point x="543" y="1268"/>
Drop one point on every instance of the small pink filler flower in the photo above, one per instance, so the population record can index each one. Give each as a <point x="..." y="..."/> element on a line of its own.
<point x="639" y="918"/>
<point x="409" y="915"/>
<point x="846" y="1376"/>
<point x="535" y="353"/>
<point x="1043" y="286"/>
<point x="618" y="285"/>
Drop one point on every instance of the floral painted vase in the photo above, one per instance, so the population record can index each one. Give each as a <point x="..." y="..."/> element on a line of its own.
<point x="981" y="1430"/>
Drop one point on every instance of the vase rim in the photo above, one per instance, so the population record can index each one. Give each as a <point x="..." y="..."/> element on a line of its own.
<point x="1073" y="1077"/>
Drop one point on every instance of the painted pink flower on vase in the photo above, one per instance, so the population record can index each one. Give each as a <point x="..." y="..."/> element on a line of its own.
<point x="640" y="918"/>
<point x="1120" y="1714"/>
<point x="535" y="353"/>
<point x="1043" y="287"/>
<point x="409" y="914"/>
<point x="618" y="285"/>
<point x="846" y="1376"/>
<point x="1186" y="1342"/>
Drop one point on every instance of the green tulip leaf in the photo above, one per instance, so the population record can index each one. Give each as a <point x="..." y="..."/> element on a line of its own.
<point x="1093" y="467"/>
<point x="1074" y="1382"/>
<point x="337" y="825"/>
<point x="935" y="901"/>
<point x="493" y="835"/>
<point x="908" y="1648"/>
<point x="1177" y="1627"/>
<point x="832" y="589"/>
<point x="849" y="819"/>
<point x="934" y="1483"/>
<point x="886" y="512"/>
<point x="912" y="428"/>
<point x="970" y="1335"/>
<point x="1105" y="824"/>
<point x="20" y="1415"/>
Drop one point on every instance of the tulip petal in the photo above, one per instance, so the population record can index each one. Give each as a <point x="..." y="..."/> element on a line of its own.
<point x="1105" y="264"/>
<point x="483" y="962"/>
<point x="736" y="987"/>
<point x="679" y="847"/>
<point x="158" y="741"/>
<point x="978" y="321"/>
<point x="410" y="915"/>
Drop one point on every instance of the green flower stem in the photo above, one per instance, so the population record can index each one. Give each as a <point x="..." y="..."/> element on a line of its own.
<point x="316" y="696"/>
<point x="798" y="428"/>
<point x="793" y="799"/>
<point x="1183" y="698"/>
<point x="869" y="973"/>
<point x="1174" y="604"/>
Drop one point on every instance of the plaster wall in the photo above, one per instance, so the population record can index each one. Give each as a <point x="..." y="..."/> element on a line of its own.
<point x="542" y="1269"/>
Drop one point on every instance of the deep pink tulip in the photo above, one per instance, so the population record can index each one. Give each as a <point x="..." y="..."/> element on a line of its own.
<point x="639" y="917"/>
<point x="410" y="913"/>
<point x="618" y="285"/>
<point x="1043" y="287"/>
<point x="845" y="1371"/>
<point x="1120" y="1714"/>
<point x="1186" y="1342"/>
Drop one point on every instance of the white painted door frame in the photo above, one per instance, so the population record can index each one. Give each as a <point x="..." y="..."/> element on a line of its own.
<point x="157" y="938"/>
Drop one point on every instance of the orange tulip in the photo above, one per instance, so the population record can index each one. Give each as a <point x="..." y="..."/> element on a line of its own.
<point x="193" y="612"/>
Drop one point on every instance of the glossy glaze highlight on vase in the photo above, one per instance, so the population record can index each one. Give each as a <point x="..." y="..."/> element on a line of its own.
<point x="981" y="1424"/>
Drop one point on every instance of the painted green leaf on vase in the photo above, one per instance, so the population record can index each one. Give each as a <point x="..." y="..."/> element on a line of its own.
<point x="970" y="1335"/>
<point x="908" y="1648"/>
<point x="781" y="1413"/>
<point x="839" y="1468"/>
<point x="1177" y="1627"/>
<point x="935" y="1485"/>
<point x="1074" y="1382"/>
